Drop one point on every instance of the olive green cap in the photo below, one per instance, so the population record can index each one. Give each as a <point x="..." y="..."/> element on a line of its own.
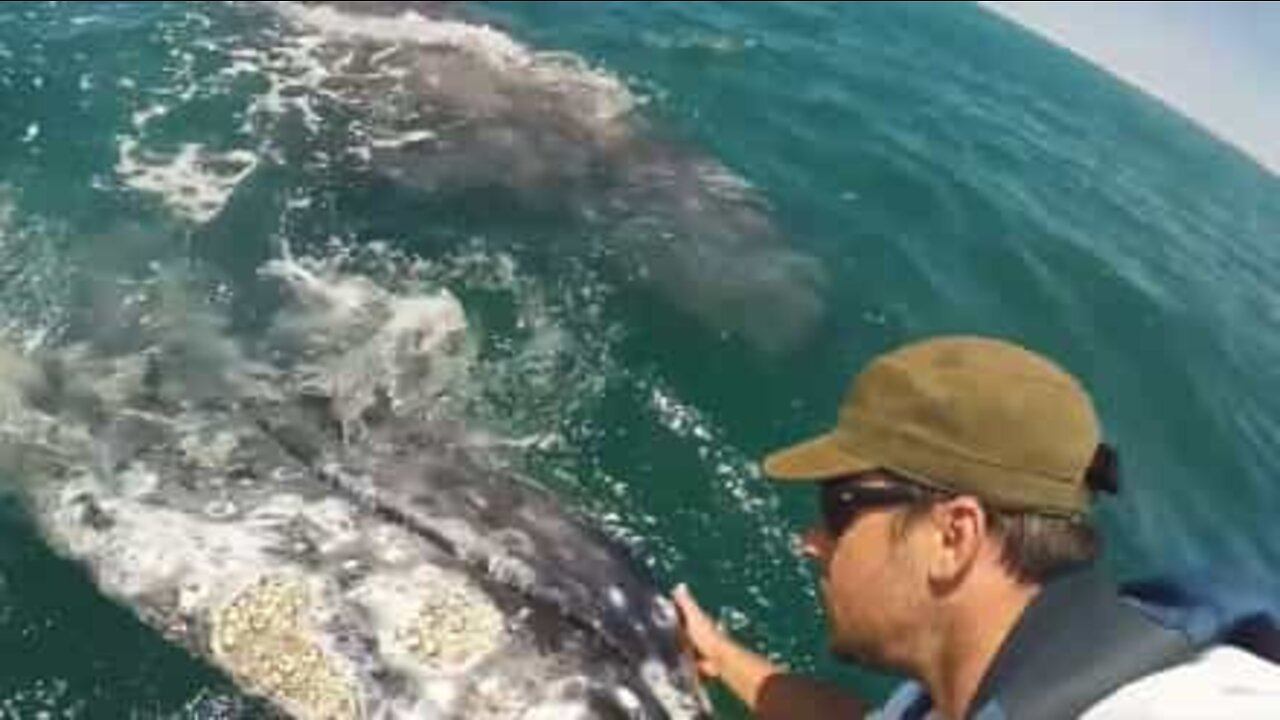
<point x="971" y="415"/>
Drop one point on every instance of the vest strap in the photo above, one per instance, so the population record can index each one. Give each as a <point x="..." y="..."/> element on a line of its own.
<point x="1077" y="642"/>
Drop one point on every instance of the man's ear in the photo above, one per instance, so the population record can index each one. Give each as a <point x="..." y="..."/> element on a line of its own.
<point x="959" y="530"/>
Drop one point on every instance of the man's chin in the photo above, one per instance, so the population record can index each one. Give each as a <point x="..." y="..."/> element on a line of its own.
<point x="845" y="656"/>
<point x="844" y="651"/>
<point x="861" y="656"/>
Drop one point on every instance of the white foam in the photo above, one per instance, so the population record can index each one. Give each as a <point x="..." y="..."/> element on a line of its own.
<point x="15" y="373"/>
<point x="338" y="298"/>
<point x="410" y="27"/>
<point x="194" y="182"/>
<point x="295" y="74"/>
<point x="679" y="417"/>
<point x="141" y="118"/>
<point x="82" y="20"/>
<point x="596" y="95"/>
<point x="371" y="340"/>
<point x="138" y="481"/>
<point x="409" y="138"/>
<point x="37" y="278"/>
<point x="40" y="698"/>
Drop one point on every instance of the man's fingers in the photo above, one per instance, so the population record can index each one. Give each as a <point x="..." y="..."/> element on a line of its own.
<point x="689" y="608"/>
<point x="698" y="630"/>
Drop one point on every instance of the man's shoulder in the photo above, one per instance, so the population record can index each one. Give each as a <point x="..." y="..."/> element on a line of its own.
<point x="1223" y="682"/>
<point x="1220" y="682"/>
<point x="1154" y="650"/>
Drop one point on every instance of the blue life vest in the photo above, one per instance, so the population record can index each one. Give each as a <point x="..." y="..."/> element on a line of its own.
<point x="1082" y="638"/>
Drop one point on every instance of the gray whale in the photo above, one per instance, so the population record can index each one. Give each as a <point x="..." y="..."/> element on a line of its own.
<point x="441" y="106"/>
<point x="286" y="508"/>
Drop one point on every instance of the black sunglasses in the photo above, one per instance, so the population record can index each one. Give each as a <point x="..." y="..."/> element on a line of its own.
<point x="841" y="500"/>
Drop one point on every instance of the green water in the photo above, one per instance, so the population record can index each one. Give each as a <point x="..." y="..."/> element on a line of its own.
<point x="951" y="173"/>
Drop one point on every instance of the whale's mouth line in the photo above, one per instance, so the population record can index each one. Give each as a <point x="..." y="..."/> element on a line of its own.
<point x="308" y="456"/>
<point x="333" y="478"/>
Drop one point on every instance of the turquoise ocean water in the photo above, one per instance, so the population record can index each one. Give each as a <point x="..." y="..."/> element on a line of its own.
<point x="928" y="168"/>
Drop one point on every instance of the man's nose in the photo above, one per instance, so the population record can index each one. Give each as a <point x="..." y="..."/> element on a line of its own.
<point x="814" y="543"/>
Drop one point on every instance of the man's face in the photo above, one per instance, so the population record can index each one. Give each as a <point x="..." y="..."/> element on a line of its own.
<point x="870" y="571"/>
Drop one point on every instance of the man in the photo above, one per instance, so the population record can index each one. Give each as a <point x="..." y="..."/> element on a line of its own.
<point x="955" y="548"/>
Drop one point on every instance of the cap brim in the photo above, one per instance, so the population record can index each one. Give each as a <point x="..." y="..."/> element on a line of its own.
<point x="815" y="460"/>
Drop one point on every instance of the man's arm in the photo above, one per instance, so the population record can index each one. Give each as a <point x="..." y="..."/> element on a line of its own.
<point x="769" y="691"/>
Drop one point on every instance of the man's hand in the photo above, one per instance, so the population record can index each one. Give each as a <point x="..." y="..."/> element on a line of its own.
<point x="770" y="692"/>
<point x="701" y="635"/>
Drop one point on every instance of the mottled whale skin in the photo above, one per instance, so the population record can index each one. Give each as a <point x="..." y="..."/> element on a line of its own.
<point x="286" y="509"/>
<point x="444" y="106"/>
